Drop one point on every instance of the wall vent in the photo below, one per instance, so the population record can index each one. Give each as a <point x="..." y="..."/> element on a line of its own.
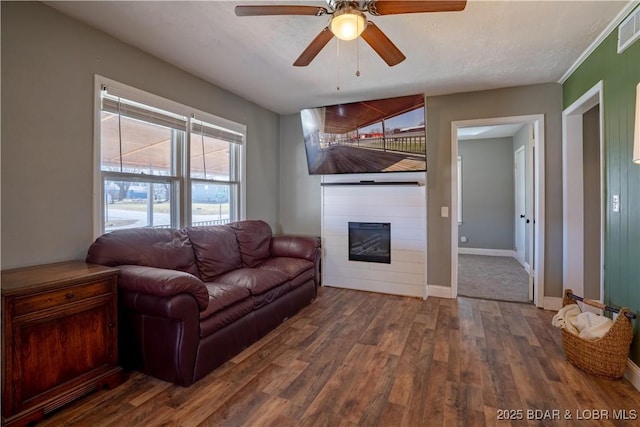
<point x="629" y="30"/>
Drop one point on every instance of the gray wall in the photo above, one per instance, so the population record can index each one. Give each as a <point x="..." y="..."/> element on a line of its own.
<point x="300" y="207"/>
<point x="48" y="66"/>
<point x="517" y="101"/>
<point x="441" y="111"/>
<point x="488" y="200"/>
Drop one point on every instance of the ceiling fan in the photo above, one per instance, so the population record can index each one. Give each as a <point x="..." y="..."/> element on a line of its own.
<point x="348" y="21"/>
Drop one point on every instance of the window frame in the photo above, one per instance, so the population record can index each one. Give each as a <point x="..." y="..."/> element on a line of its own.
<point x="180" y="181"/>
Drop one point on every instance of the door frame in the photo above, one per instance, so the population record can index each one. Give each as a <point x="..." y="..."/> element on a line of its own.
<point x="573" y="190"/>
<point x="516" y="172"/>
<point x="538" y="218"/>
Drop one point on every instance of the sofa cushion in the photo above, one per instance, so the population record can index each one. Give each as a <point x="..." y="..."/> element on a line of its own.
<point x="270" y="296"/>
<point x="222" y="296"/>
<point x="214" y="321"/>
<point x="151" y="247"/>
<point x="216" y="250"/>
<point x="298" y="270"/>
<point x="254" y="241"/>
<point x="253" y="279"/>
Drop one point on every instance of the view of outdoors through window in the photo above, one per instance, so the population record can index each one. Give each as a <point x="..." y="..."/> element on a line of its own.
<point x="143" y="179"/>
<point x="136" y="204"/>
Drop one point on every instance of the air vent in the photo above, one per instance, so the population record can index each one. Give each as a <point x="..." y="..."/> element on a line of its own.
<point x="629" y="30"/>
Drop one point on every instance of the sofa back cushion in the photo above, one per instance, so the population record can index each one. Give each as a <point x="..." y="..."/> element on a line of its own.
<point x="151" y="247"/>
<point x="216" y="250"/>
<point x="254" y="241"/>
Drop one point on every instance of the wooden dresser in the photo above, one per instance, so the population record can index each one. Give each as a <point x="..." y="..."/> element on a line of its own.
<point x="59" y="337"/>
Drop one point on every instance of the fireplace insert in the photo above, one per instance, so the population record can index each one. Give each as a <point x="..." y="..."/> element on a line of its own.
<point x="370" y="242"/>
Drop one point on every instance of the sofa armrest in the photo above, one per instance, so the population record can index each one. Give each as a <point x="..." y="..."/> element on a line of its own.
<point x="162" y="283"/>
<point x="159" y="335"/>
<point x="296" y="247"/>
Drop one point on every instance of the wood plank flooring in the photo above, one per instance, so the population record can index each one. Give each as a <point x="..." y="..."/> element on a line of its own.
<point x="356" y="358"/>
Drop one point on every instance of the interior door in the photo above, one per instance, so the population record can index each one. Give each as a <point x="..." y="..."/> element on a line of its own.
<point x="521" y="210"/>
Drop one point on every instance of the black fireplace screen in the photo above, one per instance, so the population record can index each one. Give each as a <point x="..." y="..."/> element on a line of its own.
<point x="370" y="241"/>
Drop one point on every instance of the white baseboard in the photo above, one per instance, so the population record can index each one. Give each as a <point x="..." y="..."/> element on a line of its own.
<point x="552" y="303"/>
<point x="487" y="252"/>
<point x="439" y="291"/>
<point x="632" y="373"/>
<point x="379" y="287"/>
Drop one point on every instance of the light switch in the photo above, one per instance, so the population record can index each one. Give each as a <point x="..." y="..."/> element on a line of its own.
<point x="444" y="211"/>
<point x="616" y="203"/>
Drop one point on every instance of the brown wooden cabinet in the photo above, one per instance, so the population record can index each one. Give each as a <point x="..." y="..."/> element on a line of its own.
<point x="59" y="337"/>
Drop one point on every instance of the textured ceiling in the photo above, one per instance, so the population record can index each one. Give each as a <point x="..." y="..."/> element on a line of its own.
<point x="490" y="44"/>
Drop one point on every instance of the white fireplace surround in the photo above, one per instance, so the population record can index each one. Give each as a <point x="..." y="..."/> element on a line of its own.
<point x="404" y="206"/>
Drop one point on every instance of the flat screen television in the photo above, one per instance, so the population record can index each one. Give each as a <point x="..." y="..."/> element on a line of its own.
<point x="383" y="135"/>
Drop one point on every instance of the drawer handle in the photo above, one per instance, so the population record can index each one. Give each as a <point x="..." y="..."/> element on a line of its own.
<point x="69" y="295"/>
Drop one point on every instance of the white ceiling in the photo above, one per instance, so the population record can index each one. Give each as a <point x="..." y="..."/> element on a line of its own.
<point x="490" y="44"/>
<point x="493" y="131"/>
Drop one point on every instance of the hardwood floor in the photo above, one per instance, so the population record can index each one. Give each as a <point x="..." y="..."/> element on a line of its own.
<point x="356" y="358"/>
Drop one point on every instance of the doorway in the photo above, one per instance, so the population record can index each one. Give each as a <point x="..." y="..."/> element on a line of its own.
<point x="583" y="195"/>
<point x="533" y="221"/>
<point x="520" y="212"/>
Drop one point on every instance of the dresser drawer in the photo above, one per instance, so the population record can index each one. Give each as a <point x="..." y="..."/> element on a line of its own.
<point x="58" y="297"/>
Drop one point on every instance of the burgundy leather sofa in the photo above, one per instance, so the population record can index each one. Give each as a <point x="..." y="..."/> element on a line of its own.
<point x="191" y="299"/>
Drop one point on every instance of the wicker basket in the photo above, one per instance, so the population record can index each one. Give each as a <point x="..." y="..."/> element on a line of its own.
<point x="605" y="357"/>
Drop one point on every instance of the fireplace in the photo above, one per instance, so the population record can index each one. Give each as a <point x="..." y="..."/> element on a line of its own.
<point x="370" y="242"/>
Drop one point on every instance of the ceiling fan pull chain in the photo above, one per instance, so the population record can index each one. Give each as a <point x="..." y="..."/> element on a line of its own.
<point x="358" y="51"/>
<point x="337" y="64"/>
<point x="358" y="57"/>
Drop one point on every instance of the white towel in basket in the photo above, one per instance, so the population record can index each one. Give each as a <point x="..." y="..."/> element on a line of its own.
<point x="591" y="325"/>
<point x="563" y="319"/>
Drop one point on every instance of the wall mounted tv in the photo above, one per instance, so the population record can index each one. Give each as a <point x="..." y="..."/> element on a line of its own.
<point x="384" y="135"/>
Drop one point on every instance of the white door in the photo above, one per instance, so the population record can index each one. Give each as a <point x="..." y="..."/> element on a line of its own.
<point x="521" y="210"/>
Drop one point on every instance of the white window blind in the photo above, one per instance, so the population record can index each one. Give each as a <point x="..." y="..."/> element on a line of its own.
<point x="215" y="132"/>
<point x="146" y="113"/>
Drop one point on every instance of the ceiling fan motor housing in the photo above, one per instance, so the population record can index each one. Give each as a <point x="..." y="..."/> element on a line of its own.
<point x="361" y="5"/>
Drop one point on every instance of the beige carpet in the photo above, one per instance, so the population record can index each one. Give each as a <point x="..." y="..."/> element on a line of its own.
<point x="492" y="277"/>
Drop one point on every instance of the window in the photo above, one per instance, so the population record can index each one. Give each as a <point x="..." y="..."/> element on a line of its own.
<point x="163" y="164"/>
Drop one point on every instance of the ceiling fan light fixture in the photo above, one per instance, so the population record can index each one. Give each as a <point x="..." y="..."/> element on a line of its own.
<point x="348" y="24"/>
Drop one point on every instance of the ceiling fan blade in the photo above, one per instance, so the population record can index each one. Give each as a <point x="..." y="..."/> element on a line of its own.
<point x="393" y="7"/>
<point x="280" y="10"/>
<point x="382" y="44"/>
<point x="314" y="48"/>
